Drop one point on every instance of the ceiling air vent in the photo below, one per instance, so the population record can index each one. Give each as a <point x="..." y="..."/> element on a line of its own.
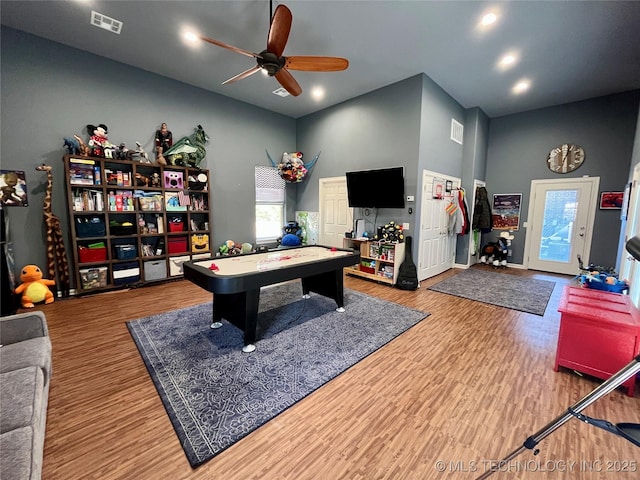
<point x="107" y="23"/>
<point x="457" y="129"/>
<point x="281" y="92"/>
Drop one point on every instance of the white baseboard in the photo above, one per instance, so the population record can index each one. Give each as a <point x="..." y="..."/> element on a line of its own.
<point x="509" y="265"/>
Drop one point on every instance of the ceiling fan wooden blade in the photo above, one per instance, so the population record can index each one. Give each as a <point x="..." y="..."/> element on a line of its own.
<point x="240" y="76"/>
<point x="230" y="47"/>
<point x="316" y="64"/>
<point x="279" y="30"/>
<point x="288" y="82"/>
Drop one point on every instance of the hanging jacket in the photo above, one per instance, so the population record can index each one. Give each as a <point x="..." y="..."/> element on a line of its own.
<point x="482" y="211"/>
<point x="462" y="203"/>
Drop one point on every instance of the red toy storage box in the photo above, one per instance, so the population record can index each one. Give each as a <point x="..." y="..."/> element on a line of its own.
<point x="88" y="255"/>
<point x="177" y="245"/>
<point x="599" y="333"/>
<point x="176" y="226"/>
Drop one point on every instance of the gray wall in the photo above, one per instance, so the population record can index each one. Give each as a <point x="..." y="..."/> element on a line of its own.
<point x="474" y="164"/>
<point x="519" y="144"/>
<point x="376" y="130"/>
<point x="50" y="91"/>
<point x="405" y="124"/>
<point x="437" y="151"/>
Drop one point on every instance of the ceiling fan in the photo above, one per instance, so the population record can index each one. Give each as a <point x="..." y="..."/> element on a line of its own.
<point x="274" y="63"/>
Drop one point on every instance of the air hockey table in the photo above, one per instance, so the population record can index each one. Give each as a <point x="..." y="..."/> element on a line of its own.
<point x="236" y="280"/>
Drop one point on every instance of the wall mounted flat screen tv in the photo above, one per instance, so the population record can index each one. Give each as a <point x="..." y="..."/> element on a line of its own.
<point x="383" y="188"/>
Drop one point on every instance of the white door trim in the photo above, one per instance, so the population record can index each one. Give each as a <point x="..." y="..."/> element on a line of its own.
<point x="473" y="259"/>
<point x="629" y="268"/>
<point x="436" y="254"/>
<point x="322" y="183"/>
<point x="595" y="184"/>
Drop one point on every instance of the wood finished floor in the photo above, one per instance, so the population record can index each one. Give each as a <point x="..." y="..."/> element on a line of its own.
<point x="465" y="386"/>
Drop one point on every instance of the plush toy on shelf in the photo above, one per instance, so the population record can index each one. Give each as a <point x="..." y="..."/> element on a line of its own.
<point x="390" y="233"/>
<point x="34" y="288"/>
<point x="99" y="141"/>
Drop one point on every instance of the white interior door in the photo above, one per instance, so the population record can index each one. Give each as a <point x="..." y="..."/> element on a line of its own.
<point x="629" y="268"/>
<point x="437" y="248"/>
<point x="560" y="223"/>
<point x="335" y="215"/>
<point x="471" y="202"/>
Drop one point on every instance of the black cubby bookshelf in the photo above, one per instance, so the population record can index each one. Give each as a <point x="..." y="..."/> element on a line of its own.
<point x="132" y="223"/>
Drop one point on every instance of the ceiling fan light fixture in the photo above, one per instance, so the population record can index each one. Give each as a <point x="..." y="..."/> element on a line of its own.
<point x="190" y="37"/>
<point x="272" y="61"/>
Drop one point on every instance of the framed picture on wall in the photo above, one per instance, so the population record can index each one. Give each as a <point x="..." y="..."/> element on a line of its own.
<point x="505" y="212"/>
<point x="13" y="188"/>
<point x="438" y="188"/>
<point x="448" y="186"/>
<point x="611" y="200"/>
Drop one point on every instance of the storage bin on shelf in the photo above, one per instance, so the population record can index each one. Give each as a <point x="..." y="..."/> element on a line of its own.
<point x="368" y="266"/>
<point x="176" y="226"/>
<point x="175" y="265"/>
<point x="177" y="245"/>
<point x="125" y="252"/>
<point x="155" y="270"/>
<point x="199" y="243"/>
<point x="94" y="277"/>
<point x="90" y="227"/>
<point x="126" y="273"/>
<point x="92" y="253"/>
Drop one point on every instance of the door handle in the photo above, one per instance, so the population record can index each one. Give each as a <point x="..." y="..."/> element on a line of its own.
<point x="581" y="234"/>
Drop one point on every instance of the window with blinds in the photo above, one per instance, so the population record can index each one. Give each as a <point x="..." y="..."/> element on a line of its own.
<point x="270" y="195"/>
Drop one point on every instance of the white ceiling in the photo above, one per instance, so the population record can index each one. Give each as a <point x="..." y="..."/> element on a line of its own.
<point x="570" y="50"/>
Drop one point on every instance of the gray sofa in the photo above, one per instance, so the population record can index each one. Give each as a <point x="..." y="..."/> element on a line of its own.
<point x="25" y="374"/>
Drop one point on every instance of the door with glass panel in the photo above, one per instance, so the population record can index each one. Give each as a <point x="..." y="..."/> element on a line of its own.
<point x="560" y="225"/>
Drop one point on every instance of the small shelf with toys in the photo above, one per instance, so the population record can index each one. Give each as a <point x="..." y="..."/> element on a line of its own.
<point x="380" y="258"/>
<point x="132" y="222"/>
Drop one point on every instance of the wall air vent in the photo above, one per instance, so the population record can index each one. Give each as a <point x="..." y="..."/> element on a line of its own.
<point x="281" y="92"/>
<point x="457" y="130"/>
<point x="107" y="23"/>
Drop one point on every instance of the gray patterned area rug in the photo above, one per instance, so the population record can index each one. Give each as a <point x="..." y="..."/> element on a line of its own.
<point x="215" y="394"/>
<point x="510" y="291"/>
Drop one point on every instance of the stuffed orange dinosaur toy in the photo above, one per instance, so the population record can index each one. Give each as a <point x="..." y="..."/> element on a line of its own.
<point x="34" y="288"/>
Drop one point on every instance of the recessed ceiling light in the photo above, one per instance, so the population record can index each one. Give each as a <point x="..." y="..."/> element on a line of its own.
<point x="507" y="61"/>
<point x="489" y="19"/>
<point x="521" y="87"/>
<point x="317" y="93"/>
